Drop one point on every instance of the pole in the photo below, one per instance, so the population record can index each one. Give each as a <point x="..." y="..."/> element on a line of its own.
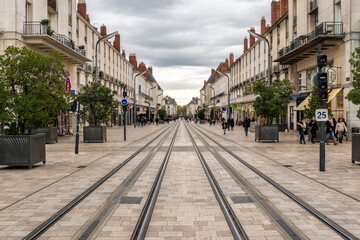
<point x="77" y="128"/>
<point x="228" y="96"/>
<point x="135" y="109"/>
<point x="322" y="142"/>
<point x="214" y="103"/>
<point x="96" y="61"/>
<point x="125" y="110"/>
<point x="269" y="63"/>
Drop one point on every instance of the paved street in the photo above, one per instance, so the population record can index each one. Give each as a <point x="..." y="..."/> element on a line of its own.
<point x="186" y="207"/>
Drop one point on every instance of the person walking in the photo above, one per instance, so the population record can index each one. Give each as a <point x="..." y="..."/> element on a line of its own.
<point x="330" y="131"/>
<point x="232" y="123"/>
<point x="313" y="129"/>
<point x="303" y="128"/>
<point x="246" y="125"/>
<point x="157" y="121"/>
<point x="224" y="125"/>
<point x="340" y="129"/>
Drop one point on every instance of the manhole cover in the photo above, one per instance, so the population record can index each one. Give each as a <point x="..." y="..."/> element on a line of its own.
<point x="81" y="167"/>
<point x="287" y="165"/>
<point x="131" y="200"/>
<point x="241" y="199"/>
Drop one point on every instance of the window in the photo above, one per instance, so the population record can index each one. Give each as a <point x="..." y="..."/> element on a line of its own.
<point x="139" y="88"/>
<point x="287" y="27"/>
<point x="271" y="40"/>
<point x="337" y="9"/>
<point x="70" y="11"/>
<point x="77" y="27"/>
<point x="77" y="77"/>
<point x="104" y="50"/>
<point x="278" y="34"/>
<point x="92" y="39"/>
<point x="85" y="33"/>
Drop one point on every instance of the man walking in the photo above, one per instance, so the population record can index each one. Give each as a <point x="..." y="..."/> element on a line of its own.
<point x="313" y="129"/>
<point x="246" y="125"/>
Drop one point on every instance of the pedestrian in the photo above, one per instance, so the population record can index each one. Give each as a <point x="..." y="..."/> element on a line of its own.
<point x="340" y="129"/>
<point x="313" y="129"/>
<point x="330" y="131"/>
<point x="157" y="121"/>
<point x="224" y="125"/>
<point x="232" y="123"/>
<point x="303" y="128"/>
<point x="246" y="125"/>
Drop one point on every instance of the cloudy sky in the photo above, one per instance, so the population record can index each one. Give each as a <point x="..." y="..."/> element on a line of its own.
<point x="181" y="39"/>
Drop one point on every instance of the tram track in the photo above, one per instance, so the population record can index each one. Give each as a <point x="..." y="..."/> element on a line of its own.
<point x="38" y="231"/>
<point x="314" y="212"/>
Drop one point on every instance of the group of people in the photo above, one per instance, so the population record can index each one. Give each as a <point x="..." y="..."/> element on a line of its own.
<point x="334" y="130"/>
<point x="229" y="124"/>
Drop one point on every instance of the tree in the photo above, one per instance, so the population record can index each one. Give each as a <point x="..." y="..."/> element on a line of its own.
<point x="272" y="100"/>
<point x="314" y="104"/>
<point x="354" y="94"/>
<point x="162" y="113"/>
<point x="97" y="103"/>
<point x="32" y="89"/>
<point x="201" y="114"/>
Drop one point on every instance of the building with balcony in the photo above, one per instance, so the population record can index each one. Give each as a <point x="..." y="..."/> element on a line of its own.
<point x="170" y="106"/>
<point x="193" y="106"/>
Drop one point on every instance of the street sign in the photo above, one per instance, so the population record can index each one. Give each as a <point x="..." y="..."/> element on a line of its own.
<point x="124" y="102"/>
<point x="223" y="109"/>
<point x="321" y="115"/>
<point x="152" y="109"/>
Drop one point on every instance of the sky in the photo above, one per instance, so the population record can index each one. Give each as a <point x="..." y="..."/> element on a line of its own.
<point x="181" y="39"/>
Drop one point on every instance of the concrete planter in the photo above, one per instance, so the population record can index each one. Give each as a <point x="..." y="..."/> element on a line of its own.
<point x="267" y="133"/>
<point x="51" y="135"/>
<point x="24" y="150"/>
<point x="355" y="157"/>
<point x="95" y="134"/>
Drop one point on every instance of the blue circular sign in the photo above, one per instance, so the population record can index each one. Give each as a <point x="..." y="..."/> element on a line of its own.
<point x="124" y="102"/>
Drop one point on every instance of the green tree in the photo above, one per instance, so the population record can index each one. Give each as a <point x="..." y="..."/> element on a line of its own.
<point x="314" y="104"/>
<point x="201" y="114"/>
<point x="162" y="113"/>
<point x="354" y="94"/>
<point x="272" y="100"/>
<point x="32" y="89"/>
<point x="97" y="103"/>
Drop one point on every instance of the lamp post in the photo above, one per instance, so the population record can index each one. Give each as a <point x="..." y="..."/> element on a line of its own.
<point x="107" y="37"/>
<point x="157" y="97"/>
<point x="214" y="102"/>
<point x="228" y="112"/>
<point x="256" y="35"/>
<point x="135" y="109"/>
<point x="149" y="102"/>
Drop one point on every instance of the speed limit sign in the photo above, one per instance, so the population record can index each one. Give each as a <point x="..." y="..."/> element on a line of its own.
<point x="321" y="115"/>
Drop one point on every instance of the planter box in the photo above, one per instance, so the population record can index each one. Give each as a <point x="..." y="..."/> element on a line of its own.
<point x="202" y="122"/>
<point x="51" y="135"/>
<point x="95" y="134"/>
<point x="267" y="133"/>
<point x="282" y="127"/>
<point x="355" y="157"/>
<point x="22" y="150"/>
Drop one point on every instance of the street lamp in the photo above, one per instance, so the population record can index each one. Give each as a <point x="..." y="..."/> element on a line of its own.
<point x="157" y="97"/>
<point x="228" y="112"/>
<point x="107" y="37"/>
<point x="149" y="101"/>
<point x="256" y="35"/>
<point x="214" y="102"/>
<point x="135" y="109"/>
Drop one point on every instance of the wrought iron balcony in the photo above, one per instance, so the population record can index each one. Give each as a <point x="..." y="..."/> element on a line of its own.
<point x="313" y="5"/>
<point x="327" y="33"/>
<point x="52" y="5"/>
<point x="43" y="37"/>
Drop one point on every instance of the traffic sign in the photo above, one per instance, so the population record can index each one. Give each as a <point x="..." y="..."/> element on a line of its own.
<point x="124" y="102"/>
<point x="321" y="115"/>
<point x="223" y="109"/>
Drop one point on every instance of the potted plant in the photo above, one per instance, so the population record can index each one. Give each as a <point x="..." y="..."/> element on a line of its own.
<point x="50" y="31"/>
<point x="97" y="102"/>
<point x="45" y="22"/>
<point x="81" y="47"/>
<point x="201" y="114"/>
<point x="354" y="97"/>
<point x="270" y="103"/>
<point x="32" y="93"/>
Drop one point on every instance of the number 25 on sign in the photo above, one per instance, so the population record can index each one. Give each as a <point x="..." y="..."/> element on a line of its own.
<point x="321" y="115"/>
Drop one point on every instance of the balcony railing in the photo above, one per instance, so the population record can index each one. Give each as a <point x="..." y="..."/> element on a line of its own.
<point x="52" y="4"/>
<point x="35" y="28"/>
<point x="313" y="5"/>
<point x="323" y="29"/>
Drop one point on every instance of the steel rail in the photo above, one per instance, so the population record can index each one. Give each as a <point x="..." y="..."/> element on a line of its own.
<point x="327" y="221"/>
<point x="37" y="232"/>
<point x="145" y="216"/>
<point x="235" y="227"/>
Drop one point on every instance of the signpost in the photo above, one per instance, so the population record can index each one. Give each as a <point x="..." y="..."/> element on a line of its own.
<point x="77" y="126"/>
<point x="124" y="102"/>
<point x="321" y="115"/>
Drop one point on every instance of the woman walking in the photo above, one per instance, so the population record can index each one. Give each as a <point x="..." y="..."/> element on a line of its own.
<point x="224" y="125"/>
<point x="303" y="129"/>
<point x="330" y="131"/>
<point x="340" y="129"/>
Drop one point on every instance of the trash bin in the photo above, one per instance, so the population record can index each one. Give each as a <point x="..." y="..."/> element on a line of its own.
<point x="355" y="130"/>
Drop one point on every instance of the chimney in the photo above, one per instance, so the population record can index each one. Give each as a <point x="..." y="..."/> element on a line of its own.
<point x="87" y="18"/>
<point x="263" y="24"/>
<point x="252" y="39"/>
<point x="142" y="68"/>
<point x="226" y="64"/>
<point x="267" y="27"/>
<point x="204" y="82"/>
<point x="123" y="54"/>
<point x="103" y="30"/>
<point x="132" y="60"/>
<point x="284" y="6"/>
<point x="275" y="11"/>
<point x="81" y="8"/>
<point x="150" y="70"/>
<point x="212" y="71"/>
<point x="117" y="42"/>
<point x="231" y="59"/>
<point x="245" y="44"/>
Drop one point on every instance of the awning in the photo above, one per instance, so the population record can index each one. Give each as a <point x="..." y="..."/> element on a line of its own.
<point x="333" y="93"/>
<point x="302" y="105"/>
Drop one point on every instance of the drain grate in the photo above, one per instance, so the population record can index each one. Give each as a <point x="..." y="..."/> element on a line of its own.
<point x="81" y="167"/>
<point x="131" y="200"/>
<point x="241" y="199"/>
<point x="288" y="165"/>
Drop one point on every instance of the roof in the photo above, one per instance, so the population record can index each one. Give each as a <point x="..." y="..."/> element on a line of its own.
<point x="171" y="101"/>
<point x="151" y="78"/>
<point x="195" y="101"/>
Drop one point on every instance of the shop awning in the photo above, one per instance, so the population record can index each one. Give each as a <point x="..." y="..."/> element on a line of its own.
<point x="333" y="93"/>
<point x="302" y="105"/>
